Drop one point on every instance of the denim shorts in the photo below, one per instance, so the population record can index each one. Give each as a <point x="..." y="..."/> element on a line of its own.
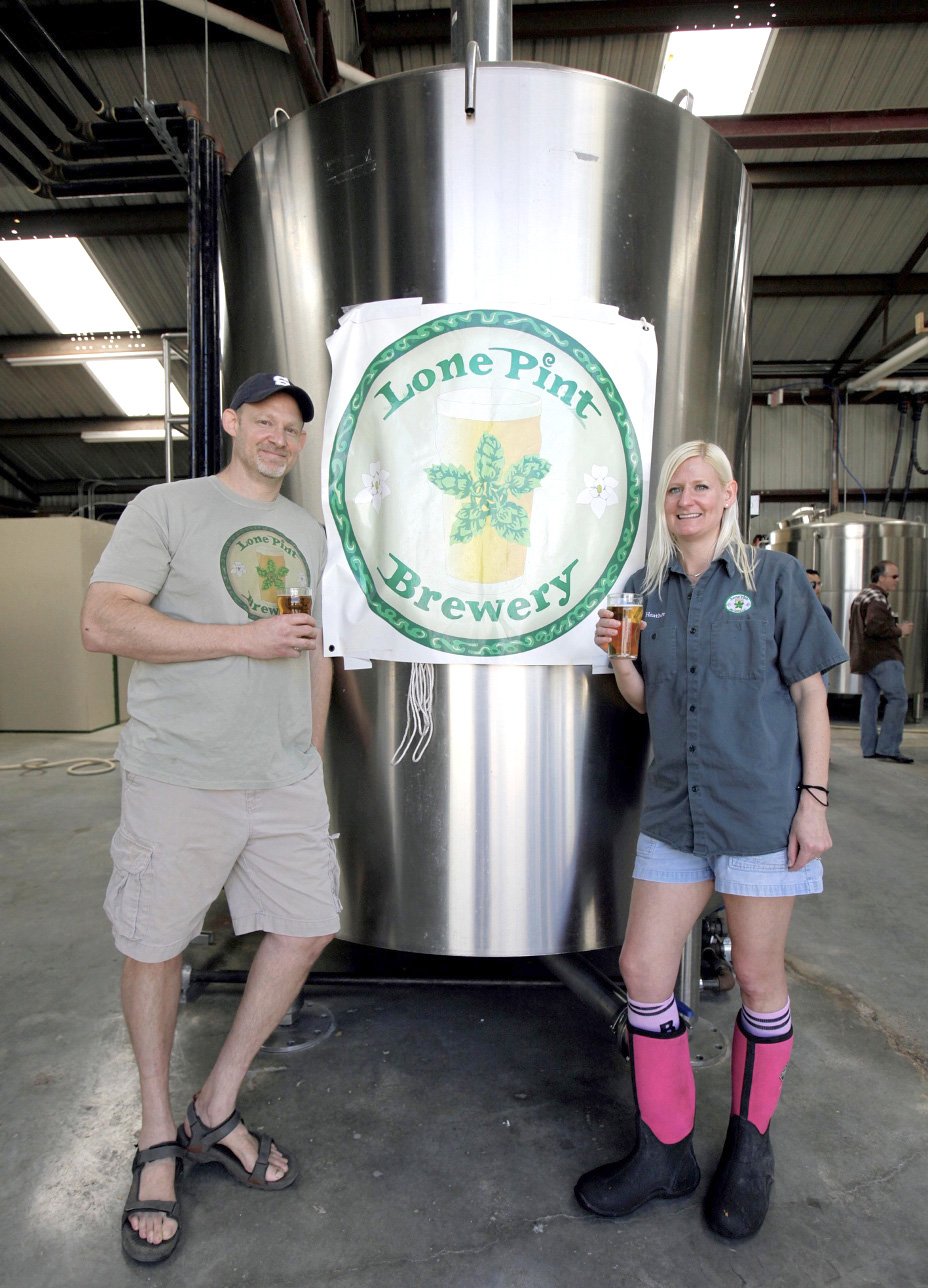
<point x="763" y="875"/>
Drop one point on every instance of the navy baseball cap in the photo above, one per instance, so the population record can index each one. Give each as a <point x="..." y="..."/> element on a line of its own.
<point x="264" y="385"/>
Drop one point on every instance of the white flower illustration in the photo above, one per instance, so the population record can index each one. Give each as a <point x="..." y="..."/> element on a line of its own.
<point x="238" y="570"/>
<point x="375" y="488"/>
<point x="599" y="491"/>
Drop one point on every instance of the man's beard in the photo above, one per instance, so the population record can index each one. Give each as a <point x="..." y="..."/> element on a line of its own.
<point x="269" y="471"/>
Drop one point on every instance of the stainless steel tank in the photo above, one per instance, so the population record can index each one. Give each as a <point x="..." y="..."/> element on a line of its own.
<point x="515" y="833"/>
<point x="844" y="547"/>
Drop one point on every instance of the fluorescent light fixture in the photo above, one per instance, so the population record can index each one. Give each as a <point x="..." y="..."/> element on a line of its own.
<point x="136" y="386"/>
<point x="66" y="285"/>
<point x="719" y="68"/>
<point x="153" y="435"/>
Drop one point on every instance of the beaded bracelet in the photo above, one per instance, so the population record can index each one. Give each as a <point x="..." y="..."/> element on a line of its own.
<point x="812" y="788"/>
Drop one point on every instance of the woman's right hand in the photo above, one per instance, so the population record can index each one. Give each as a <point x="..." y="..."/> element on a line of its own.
<point x="606" y="630"/>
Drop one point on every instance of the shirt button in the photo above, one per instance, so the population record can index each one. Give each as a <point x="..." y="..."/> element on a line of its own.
<point x="692" y="670"/>
<point x="692" y="747"/>
<point x="692" y="630"/>
<point x="692" y="708"/>
<point x="690" y="595"/>
<point x="695" y="790"/>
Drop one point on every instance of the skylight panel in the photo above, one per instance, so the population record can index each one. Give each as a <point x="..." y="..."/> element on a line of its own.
<point x="66" y="285"/>
<point x="719" y="68"/>
<point x="136" y="385"/>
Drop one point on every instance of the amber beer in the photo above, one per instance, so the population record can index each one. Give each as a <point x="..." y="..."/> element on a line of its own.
<point x="297" y="600"/>
<point x="628" y="610"/>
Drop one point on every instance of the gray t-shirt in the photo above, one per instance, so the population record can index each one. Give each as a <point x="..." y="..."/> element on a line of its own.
<point x="210" y="555"/>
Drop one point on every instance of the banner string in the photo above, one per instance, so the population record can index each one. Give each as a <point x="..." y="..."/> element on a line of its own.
<point x="418" y="712"/>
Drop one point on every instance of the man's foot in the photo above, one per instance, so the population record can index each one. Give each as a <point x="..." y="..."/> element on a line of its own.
<point x="241" y="1142"/>
<point x="151" y="1214"/>
<point x="256" y="1163"/>
<point x="897" y="760"/>
<point x="155" y="1182"/>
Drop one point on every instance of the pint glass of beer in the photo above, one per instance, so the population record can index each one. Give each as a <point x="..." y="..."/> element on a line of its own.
<point x="628" y="611"/>
<point x="297" y="599"/>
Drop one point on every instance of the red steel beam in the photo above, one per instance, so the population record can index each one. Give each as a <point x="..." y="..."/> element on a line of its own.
<point x="621" y="18"/>
<point x="824" y="129"/>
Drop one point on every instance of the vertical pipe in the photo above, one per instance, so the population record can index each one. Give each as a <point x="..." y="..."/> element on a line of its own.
<point x="194" y="304"/>
<point x="489" y="22"/>
<point x="835" y="431"/>
<point x="687" y="989"/>
<point x="168" y="452"/>
<point x="211" y="174"/>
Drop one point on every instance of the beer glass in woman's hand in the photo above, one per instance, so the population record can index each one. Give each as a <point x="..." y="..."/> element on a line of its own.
<point x="627" y="610"/>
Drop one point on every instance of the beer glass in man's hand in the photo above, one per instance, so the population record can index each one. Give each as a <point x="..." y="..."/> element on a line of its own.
<point x="627" y="610"/>
<point x="298" y="599"/>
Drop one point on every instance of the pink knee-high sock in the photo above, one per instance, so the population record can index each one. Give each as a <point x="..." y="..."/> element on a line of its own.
<point x="758" y="1066"/>
<point x="662" y="1076"/>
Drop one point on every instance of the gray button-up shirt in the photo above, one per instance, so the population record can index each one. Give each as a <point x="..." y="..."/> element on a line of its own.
<point x="717" y="660"/>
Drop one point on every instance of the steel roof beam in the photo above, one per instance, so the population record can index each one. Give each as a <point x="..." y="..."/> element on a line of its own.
<point x="909" y="172"/>
<point x="36" y="350"/>
<point x="824" y="129"/>
<point x="900" y="286"/>
<point x="63" y="427"/>
<point x="808" y="286"/>
<point x="103" y="221"/>
<point x="579" y="18"/>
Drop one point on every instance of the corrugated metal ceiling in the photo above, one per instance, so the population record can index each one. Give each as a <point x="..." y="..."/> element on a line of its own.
<point x="842" y="230"/>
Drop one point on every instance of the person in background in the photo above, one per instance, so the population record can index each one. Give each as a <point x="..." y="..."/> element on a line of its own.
<point x="222" y="779"/>
<point x="815" y="581"/>
<point x="731" y="652"/>
<point x="876" y="656"/>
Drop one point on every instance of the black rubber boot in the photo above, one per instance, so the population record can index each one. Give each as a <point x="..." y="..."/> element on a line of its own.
<point x="739" y="1194"/>
<point x="651" y="1171"/>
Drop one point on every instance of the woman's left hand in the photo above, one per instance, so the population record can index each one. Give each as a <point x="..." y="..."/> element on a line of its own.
<point x="809" y="837"/>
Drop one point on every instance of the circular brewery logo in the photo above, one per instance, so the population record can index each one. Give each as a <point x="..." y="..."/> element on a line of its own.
<point x="257" y="565"/>
<point x="486" y="483"/>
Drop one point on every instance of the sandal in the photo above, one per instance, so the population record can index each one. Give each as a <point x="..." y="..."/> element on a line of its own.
<point x="202" y="1145"/>
<point x="137" y="1248"/>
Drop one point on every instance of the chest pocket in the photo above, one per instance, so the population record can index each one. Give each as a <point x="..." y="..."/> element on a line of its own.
<point x="659" y="653"/>
<point x="737" y="649"/>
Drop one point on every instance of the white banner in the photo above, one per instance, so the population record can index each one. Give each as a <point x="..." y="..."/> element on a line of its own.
<point x="485" y="478"/>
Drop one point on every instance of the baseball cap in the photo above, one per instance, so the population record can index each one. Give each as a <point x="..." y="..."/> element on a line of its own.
<point x="264" y="385"/>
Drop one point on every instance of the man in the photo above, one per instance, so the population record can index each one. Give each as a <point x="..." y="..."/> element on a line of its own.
<point x="222" y="777"/>
<point x="876" y="656"/>
<point x="815" y="581"/>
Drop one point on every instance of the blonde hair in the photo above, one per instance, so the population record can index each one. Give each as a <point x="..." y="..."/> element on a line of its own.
<point x="663" y="547"/>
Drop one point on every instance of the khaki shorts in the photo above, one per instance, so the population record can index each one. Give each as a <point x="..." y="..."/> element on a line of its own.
<point x="176" y="848"/>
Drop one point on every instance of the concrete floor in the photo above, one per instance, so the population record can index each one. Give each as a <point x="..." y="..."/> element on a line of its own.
<point x="441" y="1129"/>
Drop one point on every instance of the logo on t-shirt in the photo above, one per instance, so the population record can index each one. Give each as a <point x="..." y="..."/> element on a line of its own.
<point x="257" y="565"/>
<point x="738" y="603"/>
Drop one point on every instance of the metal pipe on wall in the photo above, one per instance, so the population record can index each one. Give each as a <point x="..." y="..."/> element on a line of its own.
<point x="488" y="22"/>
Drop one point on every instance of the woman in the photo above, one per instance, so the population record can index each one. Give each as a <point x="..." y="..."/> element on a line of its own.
<point x="732" y="647"/>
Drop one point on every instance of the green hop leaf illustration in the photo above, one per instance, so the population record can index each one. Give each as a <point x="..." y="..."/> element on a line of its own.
<point x="272" y="577"/>
<point x="489" y="459"/>
<point x="468" y="523"/>
<point x="511" y="522"/>
<point x="452" y="479"/>
<point x="525" y="475"/>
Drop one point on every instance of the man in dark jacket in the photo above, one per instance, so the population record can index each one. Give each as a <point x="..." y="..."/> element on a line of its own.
<point x="876" y="656"/>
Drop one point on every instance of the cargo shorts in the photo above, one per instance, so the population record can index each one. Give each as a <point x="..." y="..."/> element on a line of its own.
<point x="176" y="847"/>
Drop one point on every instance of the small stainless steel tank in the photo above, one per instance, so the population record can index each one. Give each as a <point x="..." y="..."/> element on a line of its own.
<point x="844" y="547"/>
<point x="515" y="834"/>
